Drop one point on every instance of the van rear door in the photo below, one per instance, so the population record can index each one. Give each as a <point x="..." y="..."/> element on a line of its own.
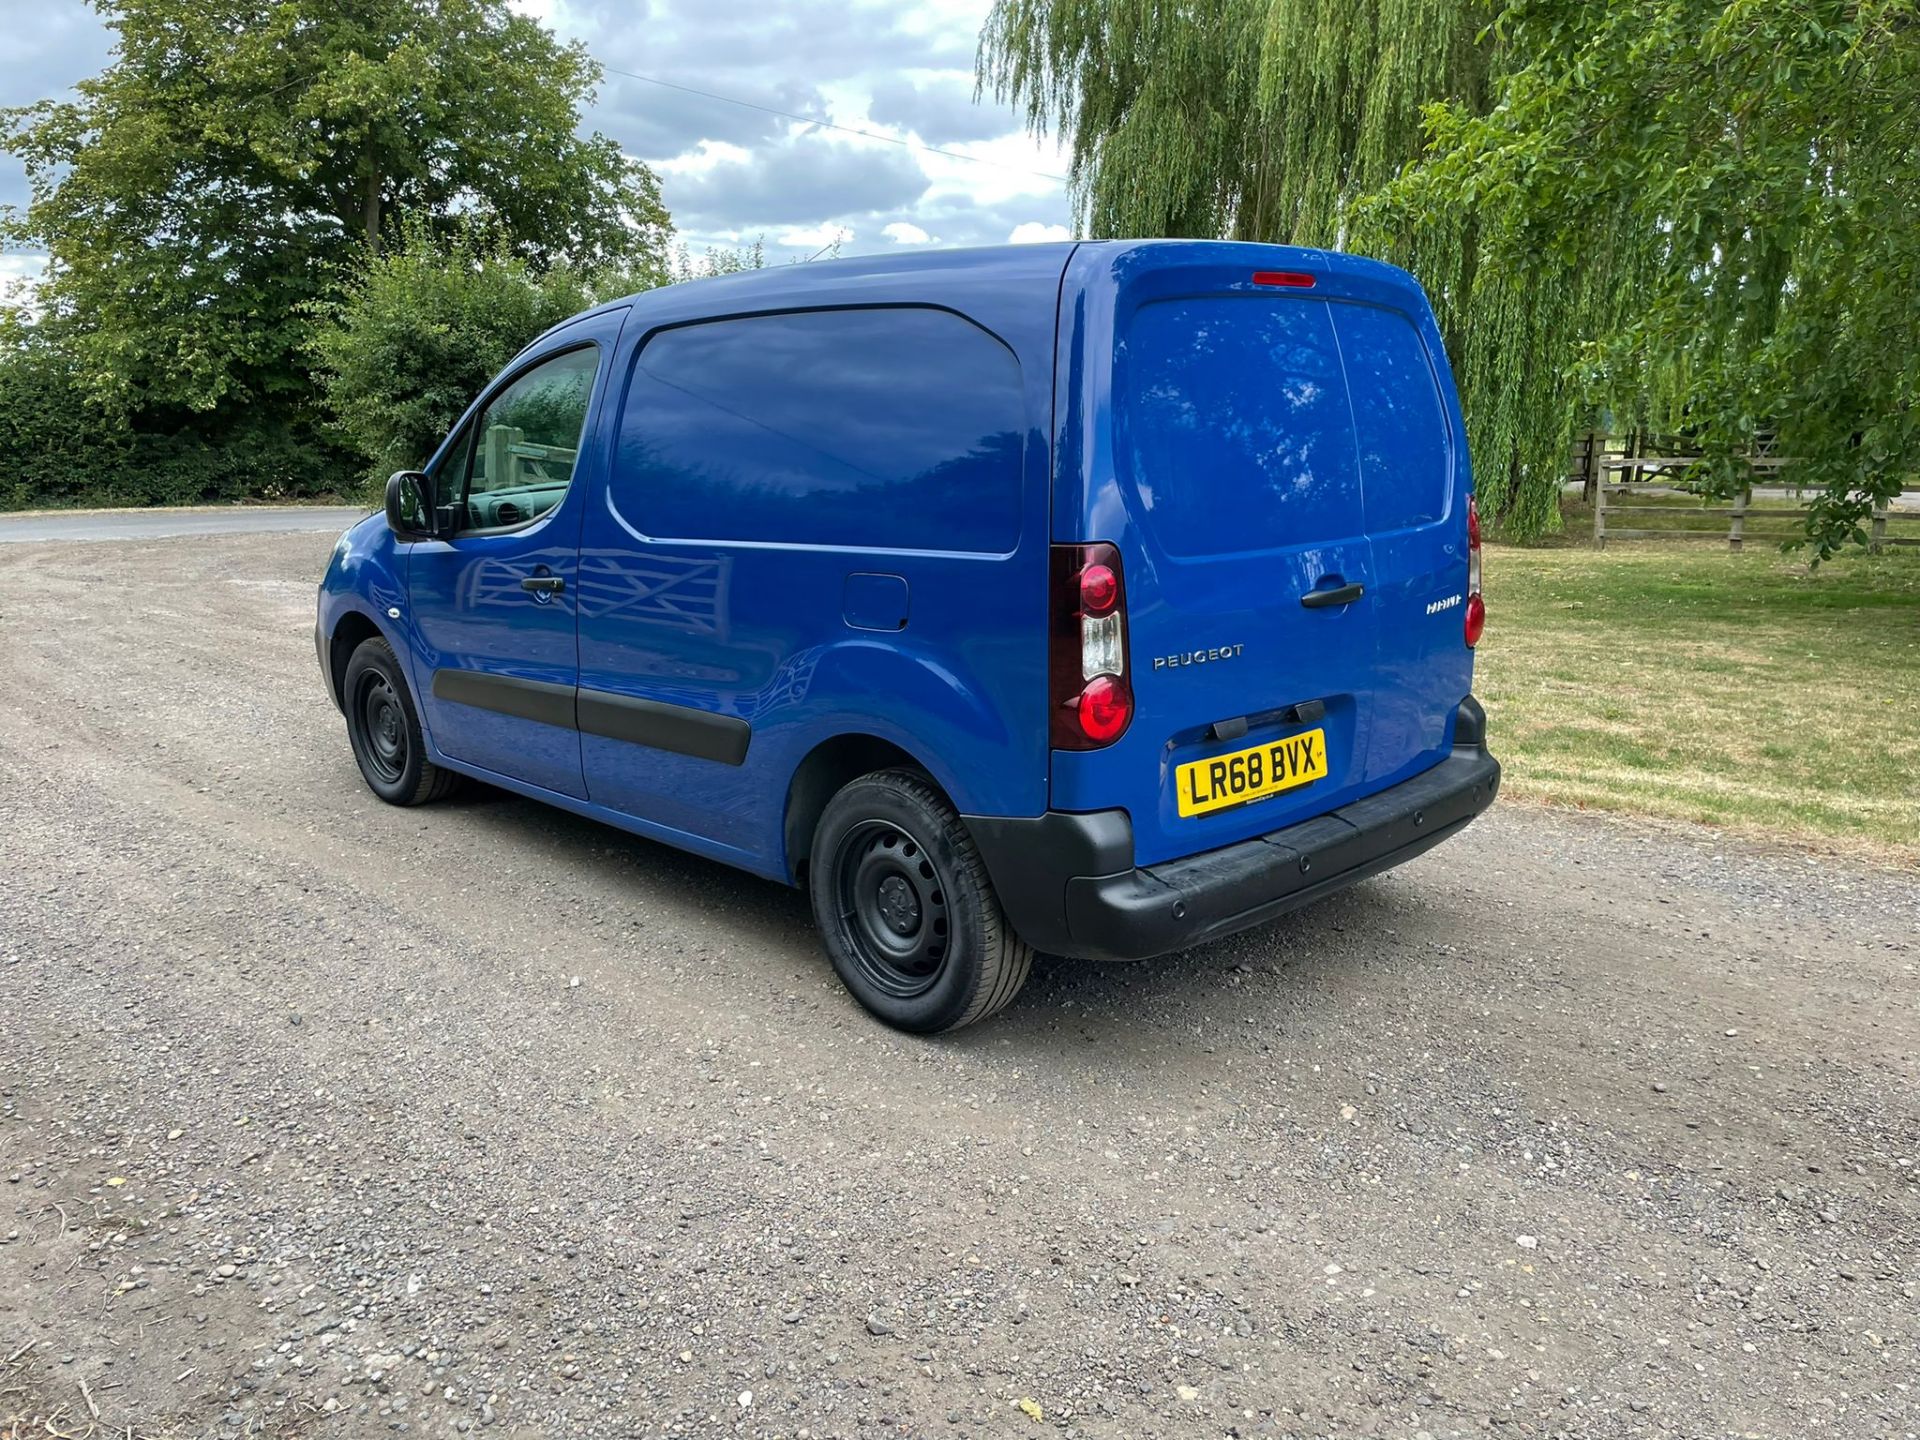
<point x="1219" y="454"/>
<point x="1414" y="476"/>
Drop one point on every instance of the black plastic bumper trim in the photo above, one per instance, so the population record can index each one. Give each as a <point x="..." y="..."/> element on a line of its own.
<point x="1031" y="859"/>
<point x="1159" y="908"/>
<point x="326" y="666"/>
<point x="1069" y="885"/>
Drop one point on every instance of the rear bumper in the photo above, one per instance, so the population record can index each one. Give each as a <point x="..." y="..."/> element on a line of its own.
<point x="1069" y="885"/>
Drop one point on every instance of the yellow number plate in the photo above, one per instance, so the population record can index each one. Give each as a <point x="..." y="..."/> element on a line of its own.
<point x="1205" y="785"/>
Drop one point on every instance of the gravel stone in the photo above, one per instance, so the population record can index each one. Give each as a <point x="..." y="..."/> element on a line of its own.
<point x="607" y="1210"/>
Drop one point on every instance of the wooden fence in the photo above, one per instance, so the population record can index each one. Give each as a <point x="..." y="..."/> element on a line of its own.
<point x="1624" y="485"/>
<point x="512" y="461"/>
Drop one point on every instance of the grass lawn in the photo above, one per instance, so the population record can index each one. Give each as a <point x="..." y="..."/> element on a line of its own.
<point x="1683" y="681"/>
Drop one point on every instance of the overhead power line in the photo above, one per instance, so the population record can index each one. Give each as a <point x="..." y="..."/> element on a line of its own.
<point x="830" y="125"/>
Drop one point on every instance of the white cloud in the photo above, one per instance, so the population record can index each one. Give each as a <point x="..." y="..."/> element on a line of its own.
<point x="816" y="237"/>
<point x="704" y="157"/>
<point x="1031" y="232"/>
<point x="901" y="69"/>
<point x="905" y="232"/>
<point x="19" y="281"/>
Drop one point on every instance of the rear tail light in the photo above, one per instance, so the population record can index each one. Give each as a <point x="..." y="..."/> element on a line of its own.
<point x="1089" y="697"/>
<point x="1476" y="607"/>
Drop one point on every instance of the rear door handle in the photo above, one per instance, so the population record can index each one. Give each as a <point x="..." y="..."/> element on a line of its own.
<point x="544" y="584"/>
<point x="1341" y="595"/>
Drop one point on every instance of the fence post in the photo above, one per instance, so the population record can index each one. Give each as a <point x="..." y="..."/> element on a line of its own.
<point x="1599" y="502"/>
<point x="1877" y="538"/>
<point x="502" y="463"/>
<point x="1590" y="472"/>
<point x="1744" y="499"/>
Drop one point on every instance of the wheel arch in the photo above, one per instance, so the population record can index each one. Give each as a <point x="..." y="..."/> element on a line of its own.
<point x="352" y="630"/>
<point x="820" y="775"/>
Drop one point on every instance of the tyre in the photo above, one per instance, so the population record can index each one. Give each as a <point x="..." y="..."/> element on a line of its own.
<point x="906" y="910"/>
<point x="385" y="729"/>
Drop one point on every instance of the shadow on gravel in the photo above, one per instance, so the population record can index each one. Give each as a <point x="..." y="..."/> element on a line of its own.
<point x="621" y="858"/>
<point x="1294" y="981"/>
<point x="1277" y="981"/>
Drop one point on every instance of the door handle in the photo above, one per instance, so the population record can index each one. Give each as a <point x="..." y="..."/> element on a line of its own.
<point x="1340" y="595"/>
<point x="544" y="584"/>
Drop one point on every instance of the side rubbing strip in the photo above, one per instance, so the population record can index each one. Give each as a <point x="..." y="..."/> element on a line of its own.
<point x="527" y="699"/>
<point x="680" y="728"/>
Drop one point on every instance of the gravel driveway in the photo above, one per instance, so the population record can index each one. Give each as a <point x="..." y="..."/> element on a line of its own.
<point x="323" y="1118"/>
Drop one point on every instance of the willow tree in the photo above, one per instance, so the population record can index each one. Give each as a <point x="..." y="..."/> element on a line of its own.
<point x="1279" y="120"/>
<point x="1155" y="108"/>
<point x="1663" y="208"/>
<point x="1733" y="191"/>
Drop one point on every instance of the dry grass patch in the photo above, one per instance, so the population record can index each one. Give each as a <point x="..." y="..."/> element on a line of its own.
<point x="1737" y="690"/>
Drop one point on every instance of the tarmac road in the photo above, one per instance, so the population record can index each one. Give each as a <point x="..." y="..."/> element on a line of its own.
<point x="1572" y="1127"/>
<point x="44" y="525"/>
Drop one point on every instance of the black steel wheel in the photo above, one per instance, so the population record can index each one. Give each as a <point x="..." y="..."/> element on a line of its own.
<point x="384" y="729"/>
<point x="905" y="907"/>
<point x="894" y="903"/>
<point x="384" y="724"/>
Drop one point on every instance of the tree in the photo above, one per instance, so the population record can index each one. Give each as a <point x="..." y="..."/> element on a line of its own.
<point x="716" y="260"/>
<point x="1157" y="102"/>
<point x="1674" y="209"/>
<point x="1728" y="197"/>
<point x="424" y="326"/>
<point x="1275" y="120"/>
<point x="237" y="159"/>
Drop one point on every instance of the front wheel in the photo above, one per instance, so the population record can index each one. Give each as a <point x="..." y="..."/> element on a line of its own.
<point x="385" y="729"/>
<point x="906" y="909"/>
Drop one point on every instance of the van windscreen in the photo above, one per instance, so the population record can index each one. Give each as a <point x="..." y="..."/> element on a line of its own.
<point x="1233" y="425"/>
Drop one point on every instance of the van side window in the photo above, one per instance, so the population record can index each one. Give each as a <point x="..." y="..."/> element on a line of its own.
<point x="517" y="456"/>
<point x="1403" y="434"/>
<point x="897" y="428"/>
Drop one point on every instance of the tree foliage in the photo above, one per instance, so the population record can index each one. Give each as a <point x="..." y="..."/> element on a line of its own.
<point x="1728" y="198"/>
<point x="237" y="161"/>
<point x="60" y="451"/>
<point x="1694" y="213"/>
<point x="683" y="264"/>
<point x="425" y="325"/>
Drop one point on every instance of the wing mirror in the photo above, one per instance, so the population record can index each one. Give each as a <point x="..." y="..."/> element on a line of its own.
<point x="410" y="504"/>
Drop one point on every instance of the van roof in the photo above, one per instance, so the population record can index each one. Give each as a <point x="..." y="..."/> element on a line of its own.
<point x="797" y="282"/>
<point x="955" y="277"/>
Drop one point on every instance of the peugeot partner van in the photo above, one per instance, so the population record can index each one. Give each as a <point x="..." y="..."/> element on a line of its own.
<point x="1090" y="599"/>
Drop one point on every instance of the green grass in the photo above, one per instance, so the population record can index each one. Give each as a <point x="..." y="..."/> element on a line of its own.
<point x="1736" y="690"/>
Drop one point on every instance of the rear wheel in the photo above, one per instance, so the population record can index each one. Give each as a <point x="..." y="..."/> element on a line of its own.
<point x="385" y="729"/>
<point x="906" y="910"/>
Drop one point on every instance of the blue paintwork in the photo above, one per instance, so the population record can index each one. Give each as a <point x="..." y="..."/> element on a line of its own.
<point x="865" y="440"/>
<point x="1214" y="377"/>
<point x="366" y="577"/>
<point x="469" y="612"/>
<point x="1034" y="429"/>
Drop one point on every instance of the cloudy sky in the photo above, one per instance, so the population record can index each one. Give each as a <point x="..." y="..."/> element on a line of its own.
<point x="729" y="173"/>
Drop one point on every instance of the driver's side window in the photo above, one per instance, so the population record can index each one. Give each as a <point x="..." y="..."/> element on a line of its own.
<point x="513" y="463"/>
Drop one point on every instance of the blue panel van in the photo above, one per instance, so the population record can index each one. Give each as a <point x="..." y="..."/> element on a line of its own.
<point x="1090" y="599"/>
